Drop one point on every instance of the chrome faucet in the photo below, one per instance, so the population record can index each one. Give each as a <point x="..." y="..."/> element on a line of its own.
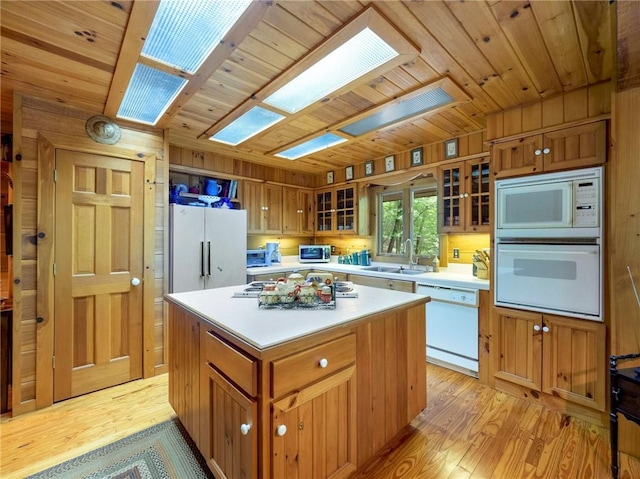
<point x="411" y="263"/>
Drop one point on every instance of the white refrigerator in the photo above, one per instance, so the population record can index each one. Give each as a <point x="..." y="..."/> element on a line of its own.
<point x="208" y="247"/>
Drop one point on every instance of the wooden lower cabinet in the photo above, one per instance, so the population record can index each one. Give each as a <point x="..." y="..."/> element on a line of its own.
<point x="562" y="357"/>
<point x="385" y="283"/>
<point x="315" y="430"/>
<point x="229" y="441"/>
<point x="318" y="407"/>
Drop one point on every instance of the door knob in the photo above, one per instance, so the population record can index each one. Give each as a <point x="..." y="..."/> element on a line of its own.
<point x="135" y="282"/>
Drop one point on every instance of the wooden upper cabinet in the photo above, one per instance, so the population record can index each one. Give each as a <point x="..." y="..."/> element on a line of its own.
<point x="263" y="202"/>
<point x="568" y="148"/>
<point x="464" y="196"/>
<point x="297" y="211"/>
<point x="576" y="147"/>
<point x="336" y="210"/>
<point x="517" y="157"/>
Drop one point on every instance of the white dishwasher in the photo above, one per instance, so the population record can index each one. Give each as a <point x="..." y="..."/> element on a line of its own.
<point x="452" y="327"/>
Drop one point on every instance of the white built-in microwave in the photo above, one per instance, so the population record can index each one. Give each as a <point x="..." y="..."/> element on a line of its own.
<point x="553" y="205"/>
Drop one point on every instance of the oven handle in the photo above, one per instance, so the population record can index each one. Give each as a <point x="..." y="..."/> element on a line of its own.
<point x="563" y="252"/>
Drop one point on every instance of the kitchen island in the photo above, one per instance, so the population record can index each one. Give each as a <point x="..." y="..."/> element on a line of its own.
<point x="278" y="394"/>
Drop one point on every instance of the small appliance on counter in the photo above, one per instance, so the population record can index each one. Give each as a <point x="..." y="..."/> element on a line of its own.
<point x="314" y="253"/>
<point x="258" y="257"/>
<point x="273" y="253"/>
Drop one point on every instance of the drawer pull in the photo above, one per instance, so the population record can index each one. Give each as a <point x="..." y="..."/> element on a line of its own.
<point x="323" y="363"/>
<point x="245" y="428"/>
<point x="281" y="430"/>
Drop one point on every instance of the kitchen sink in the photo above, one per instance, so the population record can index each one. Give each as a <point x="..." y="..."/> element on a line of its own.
<point x="393" y="269"/>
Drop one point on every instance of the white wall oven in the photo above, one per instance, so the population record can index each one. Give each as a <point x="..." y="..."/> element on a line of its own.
<point x="548" y="251"/>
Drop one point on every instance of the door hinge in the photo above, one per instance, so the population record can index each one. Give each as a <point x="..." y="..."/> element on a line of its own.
<point x="53" y="362"/>
<point x="54" y="269"/>
<point x="55" y="175"/>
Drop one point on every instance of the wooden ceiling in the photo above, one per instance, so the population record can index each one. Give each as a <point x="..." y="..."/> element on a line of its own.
<point x="501" y="53"/>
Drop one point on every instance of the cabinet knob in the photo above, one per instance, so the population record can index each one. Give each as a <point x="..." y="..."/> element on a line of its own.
<point x="466" y="195"/>
<point x="536" y="328"/>
<point x="545" y="329"/>
<point x="323" y="363"/>
<point x="546" y="151"/>
<point x="281" y="430"/>
<point x="135" y="282"/>
<point x="245" y="428"/>
<point x="537" y="152"/>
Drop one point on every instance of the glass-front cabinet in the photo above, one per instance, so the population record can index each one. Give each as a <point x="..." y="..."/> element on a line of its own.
<point x="464" y="192"/>
<point x="336" y="210"/>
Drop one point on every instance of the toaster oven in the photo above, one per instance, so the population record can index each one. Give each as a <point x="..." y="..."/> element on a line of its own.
<point x="257" y="257"/>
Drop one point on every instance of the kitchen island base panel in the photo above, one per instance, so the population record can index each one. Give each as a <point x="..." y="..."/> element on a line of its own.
<point x="362" y="405"/>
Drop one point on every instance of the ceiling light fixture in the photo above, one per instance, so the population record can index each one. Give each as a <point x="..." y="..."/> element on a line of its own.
<point x="318" y="143"/>
<point x="427" y="99"/>
<point x="251" y="123"/>
<point x="351" y="60"/>
<point x="180" y="39"/>
<point x="362" y="49"/>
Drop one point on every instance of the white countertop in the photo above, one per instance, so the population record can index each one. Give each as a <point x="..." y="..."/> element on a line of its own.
<point x="265" y="328"/>
<point x="454" y="276"/>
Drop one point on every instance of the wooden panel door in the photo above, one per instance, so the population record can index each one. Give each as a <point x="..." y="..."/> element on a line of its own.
<point x="314" y="430"/>
<point x="272" y="199"/>
<point x="252" y="195"/>
<point x="517" y="157"/>
<point x="519" y="347"/>
<point x="576" y="147"/>
<point x="290" y="210"/>
<point x="99" y="204"/>
<point x="574" y="363"/>
<point x="229" y="433"/>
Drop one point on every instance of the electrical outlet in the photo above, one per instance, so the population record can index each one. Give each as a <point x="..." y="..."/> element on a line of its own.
<point x="333" y="249"/>
<point x="456" y="253"/>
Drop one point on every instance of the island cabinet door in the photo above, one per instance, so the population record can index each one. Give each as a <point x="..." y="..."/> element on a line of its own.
<point x="314" y="430"/>
<point x="229" y="428"/>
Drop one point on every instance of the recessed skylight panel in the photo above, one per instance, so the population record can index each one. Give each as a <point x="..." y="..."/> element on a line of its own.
<point x="359" y="55"/>
<point x="316" y="144"/>
<point x="398" y="112"/>
<point x="149" y="94"/>
<point x="184" y="32"/>
<point x="251" y="123"/>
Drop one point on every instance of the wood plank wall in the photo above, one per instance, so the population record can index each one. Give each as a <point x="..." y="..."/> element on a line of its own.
<point x="624" y="211"/>
<point x="232" y="168"/>
<point x="572" y="108"/>
<point x="34" y="119"/>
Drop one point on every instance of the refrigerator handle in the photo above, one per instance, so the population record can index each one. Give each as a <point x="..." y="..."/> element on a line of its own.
<point x="209" y="257"/>
<point x="202" y="259"/>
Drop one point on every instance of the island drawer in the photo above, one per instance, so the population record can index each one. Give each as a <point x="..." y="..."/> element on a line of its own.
<point x="296" y="371"/>
<point x="237" y="366"/>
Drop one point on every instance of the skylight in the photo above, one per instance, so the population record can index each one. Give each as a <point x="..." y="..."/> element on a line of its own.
<point x="185" y="32"/>
<point x="316" y="144"/>
<point x="149" y="94"/>
<point x="251" y="123"/>
<point x="397" y="112"/>
<point x="353" y="59"/>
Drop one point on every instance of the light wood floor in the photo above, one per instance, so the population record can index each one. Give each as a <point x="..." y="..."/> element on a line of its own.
<point x="467" y="431"/>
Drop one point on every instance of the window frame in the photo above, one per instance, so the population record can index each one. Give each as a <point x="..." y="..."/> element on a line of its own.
<point x="407" y="190"/>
